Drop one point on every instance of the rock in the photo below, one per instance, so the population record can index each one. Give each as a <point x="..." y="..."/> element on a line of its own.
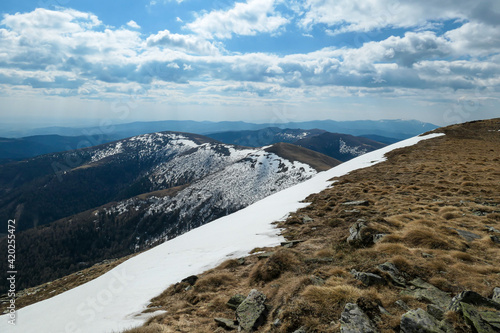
<point x="435" y="311"/>
<point x="368" y="279"/>
<point x="277" y="322"/>
<point x="352" y="211"/>
<point x="473" y="298"/>
<point x="356" y="203"/>
<point x="252" y="312"/>
<point x="384" y="311"/>
<point x="378" y="237"/>
<point x="241" y="261"/>
<point x="227" y="324"/>
<point x="419" y="321"/>
<point x="291" y="243"/>
<point x="427" y="292"/>
<point x="472" y="317"/>
<point x="306" y="219"/>
<point x="190" y="279"/>
<point x="235" y="301"/>
<point x="467" y="235"/>
<point x="496" y="295"/>
<point x="354" y="320"/>
<point x="356" y="235"/>
<point x="265" y="255"/>
<point x="300" y="330"/>
<point x="491" y="229"/>
<point x="402" y="305"/>
<point x="495" y="239"/>
<point x="492" y="318"/>
<point x="427" y="255"/>
<point x="394" y="273"/>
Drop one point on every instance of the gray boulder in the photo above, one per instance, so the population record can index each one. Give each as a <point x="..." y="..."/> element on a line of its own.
<point x="354" y="320"/>
<point x="226" y="324"/>
<point x="356" y="234"/>
<point x="252" y="312"/>
<point x="419" y="321"/>
<point x="235" y="301"/>
<point x="394" y="273"/>
<point x="473" y="298"/>
<point x="368" y="279"/>
<point x="473" y="318"/>
<point x="427" y="292"/>
<point x="496" y="295"/>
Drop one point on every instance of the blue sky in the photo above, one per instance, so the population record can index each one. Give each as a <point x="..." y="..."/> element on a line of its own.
<point x="71" y="62"/>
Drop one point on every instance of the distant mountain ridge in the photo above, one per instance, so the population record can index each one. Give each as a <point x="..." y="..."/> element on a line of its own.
<point x="399" y="129"/>
<point x="116" y="198"/>
<point x="342" y="147"/>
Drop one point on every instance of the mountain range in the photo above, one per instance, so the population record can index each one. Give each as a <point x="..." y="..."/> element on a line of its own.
<point x="117" y="198"/>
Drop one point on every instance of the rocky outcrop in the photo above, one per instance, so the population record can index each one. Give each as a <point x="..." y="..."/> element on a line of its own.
<point x="424" y="291"/>
<point x="252" y="312"/>
<point x="358" y="234"/>
<point x="354" y="320"/>
<point x="393" y="273"/>
<point x="473" y="298"/>
<point x="227" y="324"/>
<point x="419" y="321"/>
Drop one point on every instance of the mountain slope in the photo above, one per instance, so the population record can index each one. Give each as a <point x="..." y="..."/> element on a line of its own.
<point x="147" y="274"/>
<point x="340" y="146"/>
<point x="131" y="194"/>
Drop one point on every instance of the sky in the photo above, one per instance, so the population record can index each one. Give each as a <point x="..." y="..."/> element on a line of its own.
<point x="76" y="62"/>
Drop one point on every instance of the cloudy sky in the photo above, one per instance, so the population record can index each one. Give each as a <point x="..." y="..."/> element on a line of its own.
<point x="79" y="61"/>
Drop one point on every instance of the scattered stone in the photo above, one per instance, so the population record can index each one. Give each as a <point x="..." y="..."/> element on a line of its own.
<point x="378" y="237"/>
<point x="190" y="279"/>
<point x="356" y="233"/>
<point x="473" y="298"/>
<point x="306" y="219"/>
<point x="291" y="243"/>
<point x="467" y="235"/>
<point x="491" y="229"/>
<point x="265" y="255"/>
<point x="354" y="320"/>
<point x="226" y="324"/>
<point x="472" y="317"/>
<point x="241" y="261"/>
<point x="427" y="292"/>
<point x="496" y="295"/>
<point x="251" y="313"/>
<point x="368" y="279"/>
<point x="394" y="273"/>
<point x="357" y="203"/>
<point x="402" y="305"/>
<point x="300" y="330"/>
<point x="495" y="239"/>
<point x="352" y="211"/>
<point x="235" y="301"/>
<point x="435" y="311"/>
<point x="419" y="321"/>
<point x="277" y="322"/>
<point x="492" y="318"/>
<point x="427" y="255"/>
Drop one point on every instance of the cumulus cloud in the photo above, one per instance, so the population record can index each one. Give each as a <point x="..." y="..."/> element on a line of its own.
<point x="132" y="24"/>
<point x="187" y="43"/>
<point x="73" y="52"/>
<point x="245" y="18"/>
<point x="361" y="15"/>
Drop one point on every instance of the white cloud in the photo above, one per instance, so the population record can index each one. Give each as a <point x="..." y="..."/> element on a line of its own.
<point x="363" y="16"/>
<point x="186" y="43"/>
<point x="245" y="18"/>
<point x="132" y="24"/>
